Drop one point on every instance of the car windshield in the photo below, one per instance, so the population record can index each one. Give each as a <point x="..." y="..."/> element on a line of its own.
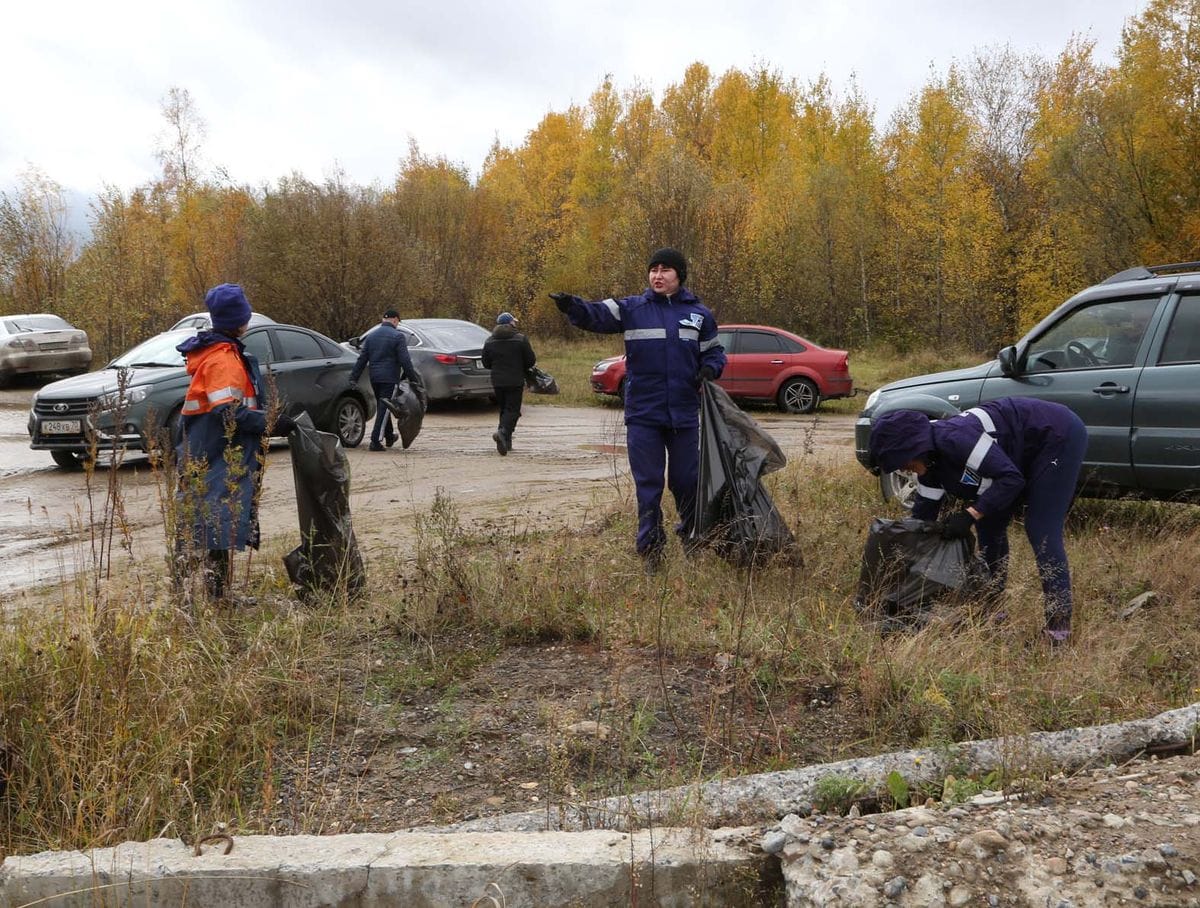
<point x="158" y="351"/>
<point x="455" y="337"/>
<point x="24" y="323"/>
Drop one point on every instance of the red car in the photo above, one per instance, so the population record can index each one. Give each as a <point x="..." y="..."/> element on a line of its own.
<point x="765" y="364"/>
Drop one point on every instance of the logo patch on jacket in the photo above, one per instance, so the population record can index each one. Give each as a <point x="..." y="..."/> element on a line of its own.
<point x="969" y="478"/>
<point x="694" y="320"/>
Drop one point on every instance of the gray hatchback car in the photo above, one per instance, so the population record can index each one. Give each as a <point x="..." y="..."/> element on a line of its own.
<point x="1124" y="355"/>
<point x="124" y="404"/>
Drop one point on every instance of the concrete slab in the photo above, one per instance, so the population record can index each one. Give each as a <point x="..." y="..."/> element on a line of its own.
<point x="664" y="867"/>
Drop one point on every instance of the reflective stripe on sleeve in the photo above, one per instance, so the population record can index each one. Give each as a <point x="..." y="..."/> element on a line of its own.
<point x="985" y="419"/>
<point x="641" y="334"/>
<point x="191" y="406"/>
<point x="221" y="395"/>
<point x="983" y="485"/>
<point x="612" y="307"/>
<point x="979" y="452"/>
<point x="690" y="334"/>
<point x="710" y="343"/>
<point x="930" y="492"/>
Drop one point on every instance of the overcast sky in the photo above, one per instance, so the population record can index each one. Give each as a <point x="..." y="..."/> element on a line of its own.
<point x="307" y="85"/>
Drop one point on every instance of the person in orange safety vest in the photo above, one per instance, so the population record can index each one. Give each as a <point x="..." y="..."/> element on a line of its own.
<point x="220" y="445"/>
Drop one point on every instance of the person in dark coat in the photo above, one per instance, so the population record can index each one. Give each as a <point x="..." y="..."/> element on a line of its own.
<point x="509" y="355"/>
<point x="671" y="348"/>
<point x="385" y="348"/>
<point x="222" y="428"/>
<point x="995" y="457"/>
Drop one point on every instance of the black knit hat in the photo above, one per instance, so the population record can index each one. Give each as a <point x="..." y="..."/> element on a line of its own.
<point x="672" y="258"/>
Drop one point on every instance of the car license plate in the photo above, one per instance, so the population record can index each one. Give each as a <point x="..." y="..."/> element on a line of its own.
<point x="60" y="427"/>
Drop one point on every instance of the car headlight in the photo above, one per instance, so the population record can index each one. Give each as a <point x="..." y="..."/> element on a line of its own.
<point x="602" y="366"/>
<point x="872" y="399"/>
<point x="112" y="400"/>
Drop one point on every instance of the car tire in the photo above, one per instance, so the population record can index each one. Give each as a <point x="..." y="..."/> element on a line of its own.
<point x="69" y="460"/>
<point x="798" y="395"/>
<point x="621" y="392"/>
<point x="350" y="421"/>
<point x="900" y="487"/>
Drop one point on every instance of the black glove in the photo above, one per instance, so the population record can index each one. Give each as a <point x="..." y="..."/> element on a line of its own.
<point x="957" y="525"/>
<point x="284" y="424"/>
<point x="563" y="301"/>
<point x="707" y="373"/>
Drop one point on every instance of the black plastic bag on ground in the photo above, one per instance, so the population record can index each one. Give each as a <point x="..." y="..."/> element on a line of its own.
<point x="328" y="557"/>
<point x="734" y="515"/>
<point x="540" y="382"/>
<point x="408" y="404"/>
<point x="907" y="566"/>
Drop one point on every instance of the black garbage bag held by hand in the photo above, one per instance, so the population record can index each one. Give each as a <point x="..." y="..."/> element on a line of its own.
<point x="734" y="515"/>
<point x="540" y="382"/>
<point x="907" y="565"/>
<point x="328" y="557"/>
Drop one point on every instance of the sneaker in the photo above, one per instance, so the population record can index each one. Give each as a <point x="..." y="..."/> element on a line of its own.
<point x="375" y="446"/>
<point x="499" y="440"/>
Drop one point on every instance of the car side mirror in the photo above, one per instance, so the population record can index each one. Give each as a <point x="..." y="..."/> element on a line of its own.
<point x="1008" y="360"/>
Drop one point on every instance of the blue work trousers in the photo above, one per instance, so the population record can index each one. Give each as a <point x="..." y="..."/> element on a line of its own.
<point x="654" y="450"/>
<point x="1049" y="491"/>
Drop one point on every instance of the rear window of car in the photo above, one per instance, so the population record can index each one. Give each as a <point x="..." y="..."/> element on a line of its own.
<point x="23" y="323"/>
<point x="454" y="337"/>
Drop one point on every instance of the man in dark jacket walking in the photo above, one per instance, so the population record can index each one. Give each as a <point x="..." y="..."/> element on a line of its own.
<point x="509" y="355"/>
<point x="671" y="348"/>
<point x="386" y="349"/>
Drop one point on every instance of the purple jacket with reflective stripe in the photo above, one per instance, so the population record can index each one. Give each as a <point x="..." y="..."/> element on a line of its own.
<point x="990" y="467"/>
<point x="667" y="340"/>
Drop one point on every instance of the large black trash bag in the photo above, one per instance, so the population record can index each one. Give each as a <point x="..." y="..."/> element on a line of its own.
<point x="907" y="566"/>
<point x="540" y="382"/>
<point x="408" y="404"/>
<point x="328" y="556"/>
<point x="734" y="514"/>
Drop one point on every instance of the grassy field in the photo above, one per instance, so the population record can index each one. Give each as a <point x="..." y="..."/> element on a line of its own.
<point x="124" y="716"/>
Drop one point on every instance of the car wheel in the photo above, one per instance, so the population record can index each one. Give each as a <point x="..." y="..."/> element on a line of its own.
<point x="621" y="391"/>
<point x="69" y="460"/>
<point x="900" y="487"/>
<point x="351" y="422"/>
<point x="798" y="395"/>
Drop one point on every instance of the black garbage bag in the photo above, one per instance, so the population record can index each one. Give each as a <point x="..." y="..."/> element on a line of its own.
<point x="540" y="382"/>
<point x="328" y="557"/>
<point x="907" y="566"/>
<point x="734" y="514"/>
<point x="407" y="405"/>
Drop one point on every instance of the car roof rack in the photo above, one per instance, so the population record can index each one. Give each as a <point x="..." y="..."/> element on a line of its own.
<point x="1141" y="272"/>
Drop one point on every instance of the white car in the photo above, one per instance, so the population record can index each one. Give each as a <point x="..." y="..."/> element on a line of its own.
<point x="40" y="344"/>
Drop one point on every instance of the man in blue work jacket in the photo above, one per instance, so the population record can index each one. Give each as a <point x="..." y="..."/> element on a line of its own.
<point x="385" y="349"/>
<point x="996" y="456"/>
<point x="671" y="348"/>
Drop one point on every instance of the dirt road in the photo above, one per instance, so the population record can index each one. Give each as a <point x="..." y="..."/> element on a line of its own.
<point x="565" y="460"/>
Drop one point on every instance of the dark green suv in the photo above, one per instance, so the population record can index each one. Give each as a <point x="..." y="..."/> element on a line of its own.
<point x="1124" y="355"/>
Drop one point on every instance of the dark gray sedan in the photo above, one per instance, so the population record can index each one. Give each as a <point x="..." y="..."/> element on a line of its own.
<point x="1124" y="355"/>
<point x="446" y="352"/>
<point x="124" y="404"/>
